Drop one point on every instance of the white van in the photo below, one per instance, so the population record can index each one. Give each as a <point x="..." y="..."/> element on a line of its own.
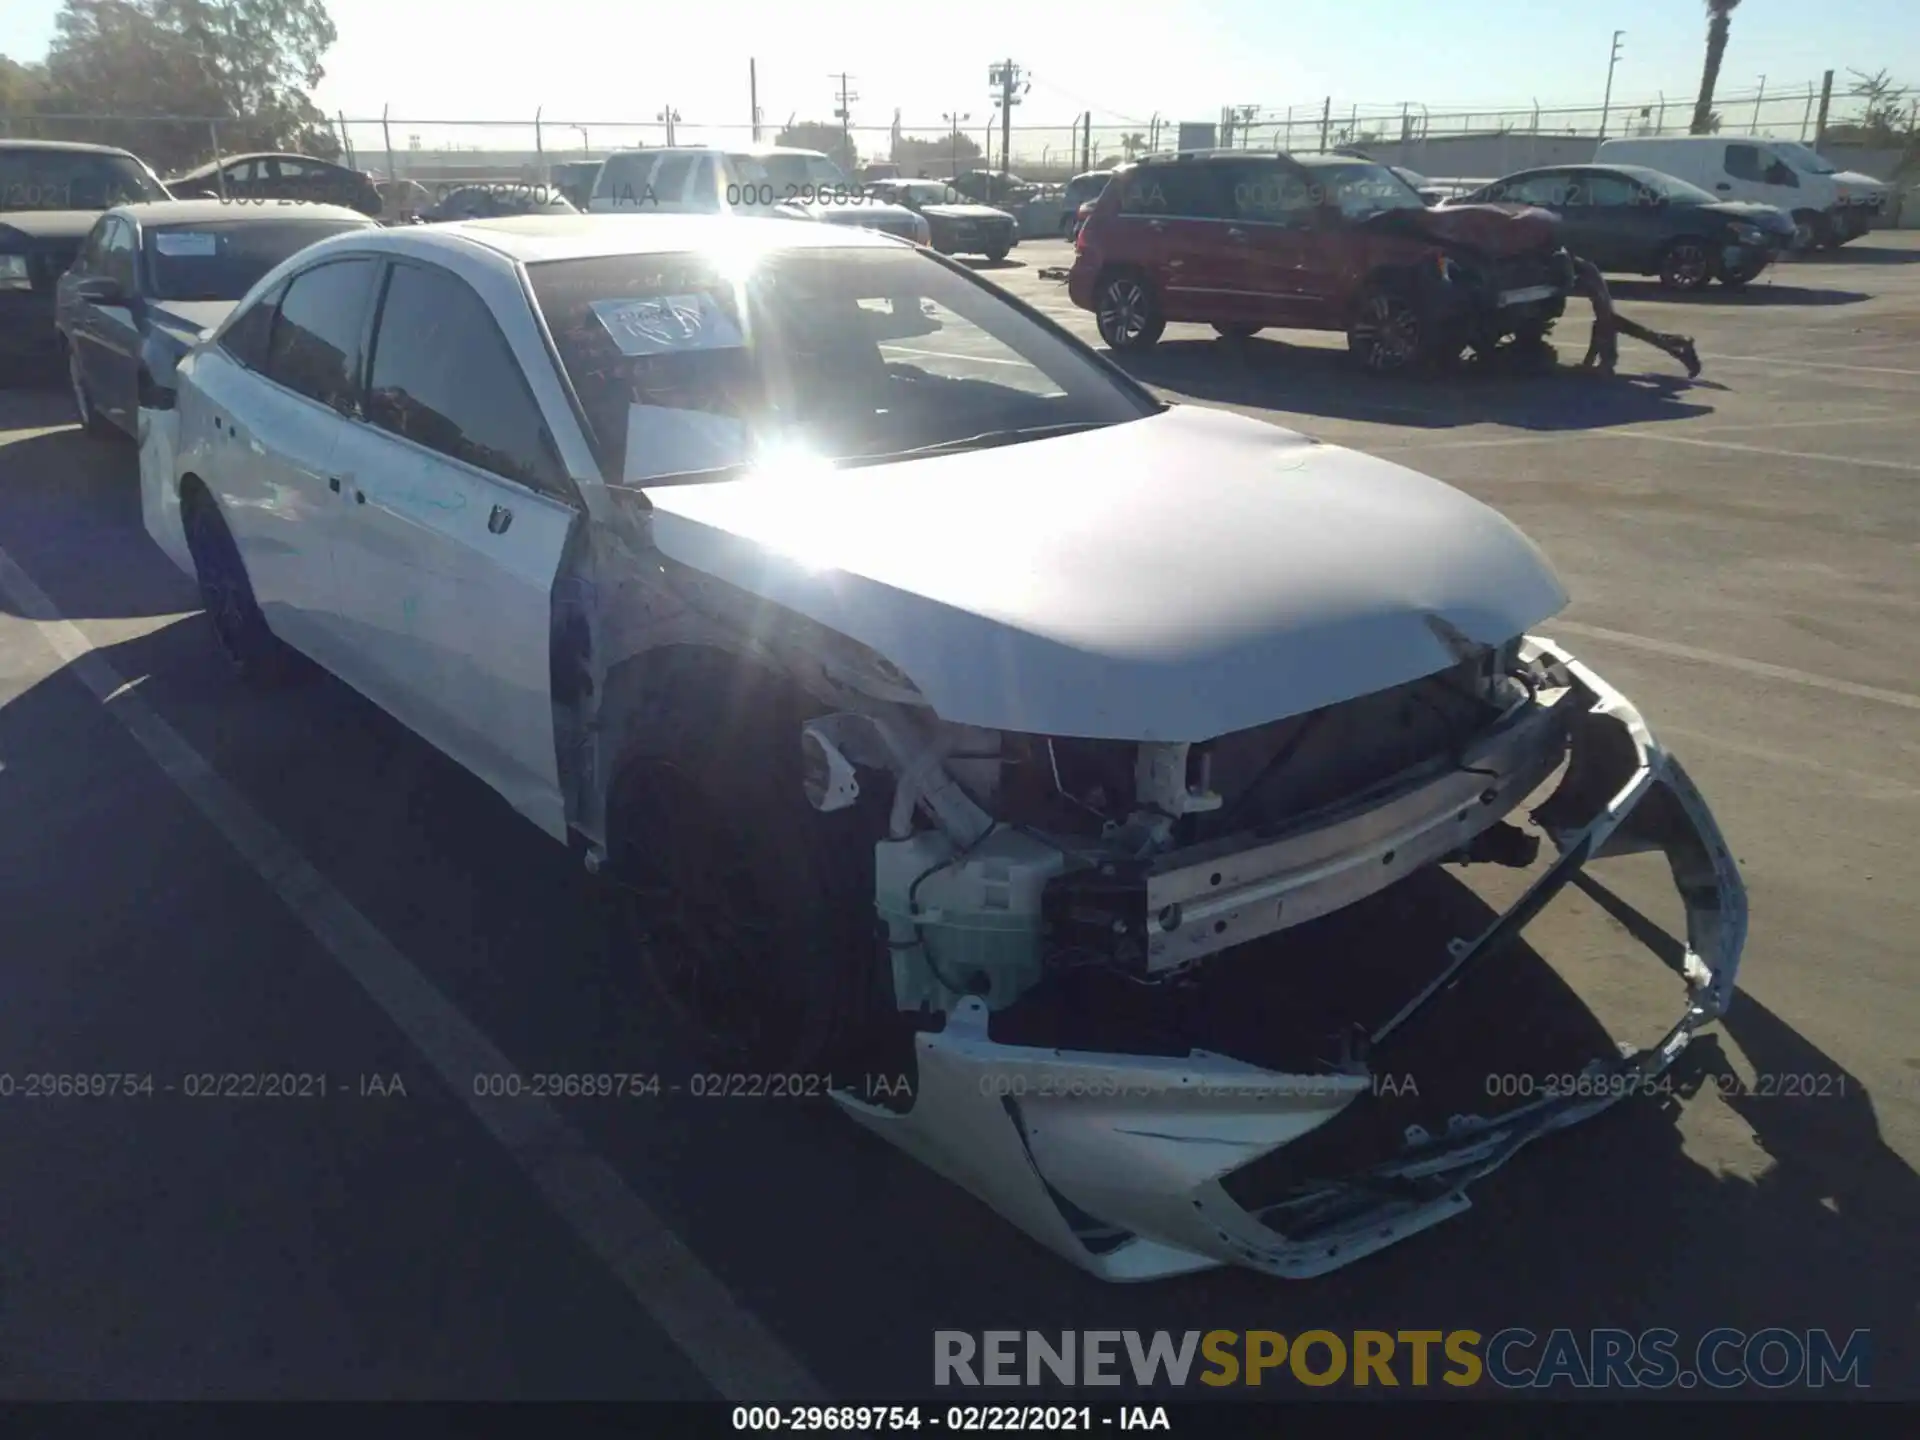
<point x="1829" y="206"/>
<point x="753" y="180"/>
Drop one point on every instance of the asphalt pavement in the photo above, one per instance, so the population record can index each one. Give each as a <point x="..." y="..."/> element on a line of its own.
<point x="289" y="949"/>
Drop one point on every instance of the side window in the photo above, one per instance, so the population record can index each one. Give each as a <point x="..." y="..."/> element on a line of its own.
<point x="93" y="253"/>
<point x="1270" y="194"/>
<point x="1743" y="163"/>
<point x="314" y="349"/>
<point x="1177" y="191"/>
<point x="244" y="173"/>
<point x="706" y="191"/>
<point x="444" y="377"/>
<point x="116" y="254"/>
<point x="1549" y="190"/>
<point x="246" y="338"/>
<point x="1612" y="191"/>
<point x="1779" y="172"/>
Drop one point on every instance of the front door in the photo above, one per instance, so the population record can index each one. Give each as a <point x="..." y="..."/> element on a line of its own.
<point x="451" y="533"/>
<point x="1172" y="222"/>
<point x="110" y="334"/>
<point x="1273" y="257"/>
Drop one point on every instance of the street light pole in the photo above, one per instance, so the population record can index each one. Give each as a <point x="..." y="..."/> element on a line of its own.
<point x="955" y="121"/>
<point x="1607" y="103"/>
<point x="586" y="145"/>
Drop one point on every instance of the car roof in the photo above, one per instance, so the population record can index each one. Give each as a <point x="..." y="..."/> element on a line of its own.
<point x="1638" y="172"/>
<point x="531" y="239"/>
<point x="71" y="147"/>
<point x="225" y="160"/>
<point x="189" y="212"/>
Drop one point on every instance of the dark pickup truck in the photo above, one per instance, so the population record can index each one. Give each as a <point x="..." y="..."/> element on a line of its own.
<point x="51" y="193"/>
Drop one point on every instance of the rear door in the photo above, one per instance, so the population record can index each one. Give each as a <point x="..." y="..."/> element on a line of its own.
<point x="1172" y="222"/>
<point x="1621" y="222"/>
<point x="112" y="330"/>
<point x="457" y="514"/>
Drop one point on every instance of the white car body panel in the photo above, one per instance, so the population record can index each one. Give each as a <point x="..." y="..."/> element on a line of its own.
<point x="1179" y="577"/>
<point x="159" y="434"/>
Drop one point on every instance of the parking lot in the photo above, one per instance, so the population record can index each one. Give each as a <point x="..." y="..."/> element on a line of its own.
<point x="198" y="880"/>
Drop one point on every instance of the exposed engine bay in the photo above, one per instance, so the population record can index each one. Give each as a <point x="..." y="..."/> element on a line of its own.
<point x="1012" y="860"/>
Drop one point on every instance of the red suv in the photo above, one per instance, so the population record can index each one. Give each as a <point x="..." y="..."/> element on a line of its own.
<point x="1242" y="241"/>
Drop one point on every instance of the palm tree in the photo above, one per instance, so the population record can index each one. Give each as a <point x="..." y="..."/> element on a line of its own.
<point x="1133" y="144"/>
<point x="1719" y="19"/>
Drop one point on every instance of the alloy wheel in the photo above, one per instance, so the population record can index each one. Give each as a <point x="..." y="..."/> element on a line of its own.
<point x="222" y="587"/>
<point x="1387" y="333"/>
<point x="1688" y="266"/>
<point x="1123" y="311"/>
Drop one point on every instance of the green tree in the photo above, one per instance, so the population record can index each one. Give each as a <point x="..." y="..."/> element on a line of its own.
<point x="250" y="64"/>
<point x="947" y="155"/>
<point x="830" y="140"/>
<point x="1719" y="21"/>
<point x="1133" y="144"/>
<point x="23" y="88"/>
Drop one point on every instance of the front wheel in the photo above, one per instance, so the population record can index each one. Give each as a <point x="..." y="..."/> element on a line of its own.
<point x="256" y="654"/>
<point x="1388" y="335"/>
<point x="1128" y="313"/>
<point x="749" y="913"/>
<point x="997" y="254"/>
<point x="1686" y="266"/>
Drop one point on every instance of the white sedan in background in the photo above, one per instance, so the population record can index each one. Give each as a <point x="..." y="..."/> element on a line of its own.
<point x="910" y="667"/>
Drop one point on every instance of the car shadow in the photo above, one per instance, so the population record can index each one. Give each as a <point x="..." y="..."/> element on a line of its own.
<point x="1759" y="293"/>
<point x="1859" y="253"/>
<point x="71" y="502"/>
<point x="1321" y="380"/>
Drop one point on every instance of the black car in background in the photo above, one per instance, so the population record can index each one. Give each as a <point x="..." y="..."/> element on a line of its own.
<point x="1080" y="189"/>
<point x="490" y="202"/>
<point x="956" y="225"/>
<point x="1637" y="221"/>
<point x="261" y="178"/>
<point x="51" y="193"/>
<point x="151" y="279"/>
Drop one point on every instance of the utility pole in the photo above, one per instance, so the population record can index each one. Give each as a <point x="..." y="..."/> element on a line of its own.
<point x="1607" y="104"/>
<point x="671" y="117"/>
<point x="753" y="97"/>
<point x="955" y="120"/>
<point x="1756" y="104"/>
<point x="1007" y="82"/>
<point x="845" y="116"/>
<point x="1820" y="123"/>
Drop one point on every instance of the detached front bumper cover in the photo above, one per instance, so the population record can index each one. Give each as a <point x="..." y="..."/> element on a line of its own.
<point x="1115" y="1161"/>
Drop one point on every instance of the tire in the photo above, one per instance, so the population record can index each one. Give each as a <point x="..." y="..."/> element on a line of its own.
<point x="1127" y="312"/>
<point x="1686" y="265"/>
<point x="256" y="654"/>
<point x="997" y="254"/>
<point x="1387" y="334"/>
<point x="1806" y="231"/>
<point x="1237" y="332"/>
<point x="91" y="420"/>
<point x="751" y="915"/>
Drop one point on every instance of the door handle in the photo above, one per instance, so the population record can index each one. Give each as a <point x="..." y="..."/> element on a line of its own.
<point x="1723" y="186"/>
<point x="499" y="520"/>
<point x="1236" y="233"/>
<point x="359" y="497"/>
<point x="333" y="483"/>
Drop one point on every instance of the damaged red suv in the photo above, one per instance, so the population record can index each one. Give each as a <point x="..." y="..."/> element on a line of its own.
<point x="1242" y="241"/>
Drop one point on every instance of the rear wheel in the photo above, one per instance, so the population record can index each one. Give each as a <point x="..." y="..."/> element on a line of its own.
<point x="255" y="652"/>
<point x="749" y="913"/>
<point x="1128" y="313"/>
<point x="1686" y="265"/>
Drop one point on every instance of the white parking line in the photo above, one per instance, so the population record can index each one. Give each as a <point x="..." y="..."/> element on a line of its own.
<point x="956" y="356"/>
<point x="727" y="1343"/>
<point x="1732" y="662"/>
<point x="1808" y="364"/>
<point x="1909" y="466"/>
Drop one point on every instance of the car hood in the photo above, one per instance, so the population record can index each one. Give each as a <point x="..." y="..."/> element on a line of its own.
<point x="1494" y="229"/>
<point x="963" y="212"/>
<point x="1178" y="577"/>
<point x="1854" y="180"/>
<point x="189" y="319"/>
<point x="48" y="224"/>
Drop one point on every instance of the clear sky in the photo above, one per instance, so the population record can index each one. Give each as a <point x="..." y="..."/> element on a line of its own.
<point x="613" y="60"/>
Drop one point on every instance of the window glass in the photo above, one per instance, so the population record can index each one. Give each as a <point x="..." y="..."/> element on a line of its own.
<point x="315" y="346"/>
<point x="444" y="377"/>
<point x="222" y="260"/>
<point x="72" y="180"/>
<point x="628" y="180"/>
<point x="1743" y="162"/>
<point x="844" y="356"/>
<point x="116" y="254"/>
<point x="669" y="179"/>
<point x="1189" y="191"/>
<point x="1549" y="190"/>
<point x="1270" y="194"/>
<point x="94" y="250"/>
<point x="1609" y="191"/>
<point x="245" y="338"/>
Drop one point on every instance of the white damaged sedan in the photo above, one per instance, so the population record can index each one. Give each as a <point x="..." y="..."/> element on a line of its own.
<point x="895" y="657"/>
